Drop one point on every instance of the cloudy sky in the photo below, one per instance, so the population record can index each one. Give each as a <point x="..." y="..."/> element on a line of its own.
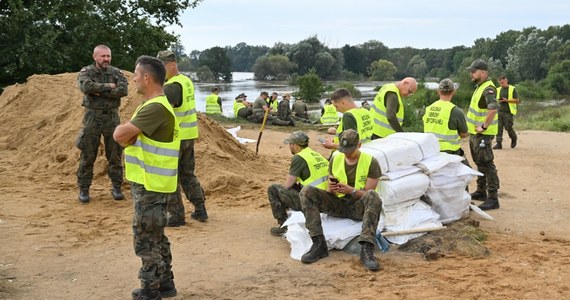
<point x="415" y="23"/>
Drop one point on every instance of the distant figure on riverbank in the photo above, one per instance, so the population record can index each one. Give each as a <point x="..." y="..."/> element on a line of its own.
<point x="300" y="110"/>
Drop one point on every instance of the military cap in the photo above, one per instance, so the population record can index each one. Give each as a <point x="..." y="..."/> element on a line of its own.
<point x="348" y="141"/>
<point x="478" y="64"/>
<point x="446" y="85"/>
<point x="166" y="56"/>
<point x="297" y="138"/>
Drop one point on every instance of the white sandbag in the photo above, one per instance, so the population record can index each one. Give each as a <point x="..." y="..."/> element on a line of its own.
<point x="450" y="201"/>
<point x="419" y="215"/>
<point x="432" y="164"/>
<point x="402" y="150"/>
<point x="403" y="189"/>
<point x="338" y="233"/>
<point x="393" y="175"/>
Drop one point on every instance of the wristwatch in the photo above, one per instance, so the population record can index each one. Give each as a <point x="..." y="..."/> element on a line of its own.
<point x="483" y="126"/>
<point x="353" y="192"/>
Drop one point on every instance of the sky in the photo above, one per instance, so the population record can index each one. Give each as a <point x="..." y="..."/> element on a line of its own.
<point x="415" y="23"/>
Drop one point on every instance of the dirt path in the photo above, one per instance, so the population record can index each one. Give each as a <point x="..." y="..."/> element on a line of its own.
<point x="54" y="248"/>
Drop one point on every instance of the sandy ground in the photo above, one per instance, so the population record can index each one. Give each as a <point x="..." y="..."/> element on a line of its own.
<point x="53" y="247"/>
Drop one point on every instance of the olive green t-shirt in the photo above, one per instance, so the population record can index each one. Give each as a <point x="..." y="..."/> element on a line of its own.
<point x="173" y="92"/>
<point x="156" y="122"/>
<point x="349" y="122"/>
<point x="457" y="120"/>
<point x="258" y="105"/>
<point x="504" y="106"/>
<point x="392" y="106"/>
<point x="374" y="171"/>
<point x="299" y="167"/>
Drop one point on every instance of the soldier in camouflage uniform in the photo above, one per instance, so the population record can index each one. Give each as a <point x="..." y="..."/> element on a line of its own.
<point x="103" y="86"/>
<point x="153" y="129"/>
<point x="482" y="125"/>
<point x="260" y="106"/>
<point x="351" y="194"/>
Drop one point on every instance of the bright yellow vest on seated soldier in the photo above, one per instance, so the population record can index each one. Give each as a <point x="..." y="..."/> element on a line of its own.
<point x="363" y="122"/>
<point x="512" y="106"/>
<point x="382" y="127"/>
<point x="186" y="113"/>
<point x="330" y="115"/>
<point x="237" y="106"/>
<point x="436" y="121"/>
<point x="152" y="163"/>
<point x="476" y="116"/>
<point x="318" y="167"/>
<point x="339" y="172"/>
<point x="212" y="106"/>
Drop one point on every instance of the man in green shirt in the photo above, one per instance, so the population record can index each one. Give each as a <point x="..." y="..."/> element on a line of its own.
<point x="260" y="106"/>
<point x="282" y="197"/>
<point x="353" y="178"/>
<point x="388" y="108"/>
<point x="508" y="101"/>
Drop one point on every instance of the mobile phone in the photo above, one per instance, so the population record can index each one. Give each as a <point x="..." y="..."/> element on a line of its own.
<point x="322" y="140"/>
<point x="332" y="179"/>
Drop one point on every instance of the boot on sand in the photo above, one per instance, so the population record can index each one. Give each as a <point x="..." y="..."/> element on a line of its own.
<point x="318" y="250"/>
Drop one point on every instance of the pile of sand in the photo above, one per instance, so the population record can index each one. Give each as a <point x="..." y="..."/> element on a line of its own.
<point x="43" y="117"/>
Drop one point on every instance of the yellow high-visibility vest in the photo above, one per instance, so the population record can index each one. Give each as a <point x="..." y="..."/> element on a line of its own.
<point x="186" y="113"/>
<point x="237" y="106"/>
<point x="436" y="121"/>
<point x="274" y="105"/>
<point x="318" y="167"/>
<point x="330" y="115"/>
<point x="512" y="106"/>
<point x="212" y="106"/>
<point x="476" y="116"/>
<point x="363" y="124"/>
<point x="152" y="163"/>
<point x="382" y="127"/>
<point x="339" y="172"/>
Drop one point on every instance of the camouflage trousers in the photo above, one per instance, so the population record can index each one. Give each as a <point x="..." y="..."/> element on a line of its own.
<point x="187" y="181"/>
<point x="245" y="112"/>
<point x="95" y="124"/>
<point x="150" y="242"/>
<point x="506" y="121"/>
<point x="483" y="158"/>
<point x="282" y="198"/>
<point x="271" y="119"/>
<point x="366" y="209"/>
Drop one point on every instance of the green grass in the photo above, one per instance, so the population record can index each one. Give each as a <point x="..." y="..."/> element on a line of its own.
<point x="551" y="119"/>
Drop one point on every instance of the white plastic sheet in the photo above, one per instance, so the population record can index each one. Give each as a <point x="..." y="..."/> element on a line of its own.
<point x="233" y="132"/>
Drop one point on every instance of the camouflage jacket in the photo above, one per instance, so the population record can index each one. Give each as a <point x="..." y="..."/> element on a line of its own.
<point x="94" y="84"/>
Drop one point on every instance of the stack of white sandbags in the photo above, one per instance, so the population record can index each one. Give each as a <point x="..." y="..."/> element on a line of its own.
<point x="448" y="180"/>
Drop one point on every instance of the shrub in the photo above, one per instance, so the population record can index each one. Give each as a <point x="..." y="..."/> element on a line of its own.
<point x="310" y="86"/>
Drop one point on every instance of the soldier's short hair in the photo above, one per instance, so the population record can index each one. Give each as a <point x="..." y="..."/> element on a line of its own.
<point x="502" y="76"/>
<point x="215" y="89"/>
<point x="264" y="94"/>
<point x="152" y="66"/>
<point x="340" y="94"/>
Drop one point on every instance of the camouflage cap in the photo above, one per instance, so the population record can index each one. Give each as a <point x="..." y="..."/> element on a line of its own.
<point x="297" y="138"/>
<point x="478" y="64"/>
<point x="166" y="56"/>
<point x="348" y="141"/>
<point x="446" y="85"/>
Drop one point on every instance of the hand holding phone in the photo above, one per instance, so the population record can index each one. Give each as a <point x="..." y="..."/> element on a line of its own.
<point x="333" y="180"/>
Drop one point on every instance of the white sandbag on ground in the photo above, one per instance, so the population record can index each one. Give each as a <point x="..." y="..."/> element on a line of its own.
<point x="338" y="233"/>
<point x="419" y="215"/>
<point x="403" y="189"/>
<point x="450" y="201"/>
<point x="402" y="150"/>
<point x="452" y="172"/>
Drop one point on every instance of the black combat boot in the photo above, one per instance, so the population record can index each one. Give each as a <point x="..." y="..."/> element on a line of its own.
<point x="477" y="195"/>
<point x="492" y="201"/>
<point x="318" y="250"/>
<point x="117" y="193"/>
<point x="498" y="145"/>
<point x="279" y="230"/>
<point x="367" y="257"/>
<point x="167" y="288"/>
<point x="84" y="195"/>
<point x="146" y="294"/>
<point x="513" y="143"/>
<point x="200" y="212"/>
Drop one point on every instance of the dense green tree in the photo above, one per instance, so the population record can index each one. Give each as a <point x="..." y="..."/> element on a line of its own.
<point x="382" y="70"/>
<point x="204" y="74"/>
<point x="559" y="77"/>
<point x="310" y="86"/>
<point x="272" y="67"/>
<point x="417" y="67"/>
<point x="69" y="30"/>
<point x="218" y="62"/>
<point x="354" y="59"/>
<point x="243" y="56"/>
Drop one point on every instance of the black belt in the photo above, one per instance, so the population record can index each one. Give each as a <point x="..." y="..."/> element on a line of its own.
<point x="103" y="111"/>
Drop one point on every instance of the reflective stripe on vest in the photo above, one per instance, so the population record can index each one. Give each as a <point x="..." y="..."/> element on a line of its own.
<point x="152" y="163"/>
<point x="512" y="106"/>
<point x="436" y="121"/>
<point x="237" y="106"/>
<point x="476" y="116"/>
<point x="339" y="172"/>
<point x="363" y="124"/>
<point x="318" y="167"/>
<point x="382" y="127"/>
<point x="212" y="106"/>
<point x="330" y="115"/>
<point x="186" y="113"/>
